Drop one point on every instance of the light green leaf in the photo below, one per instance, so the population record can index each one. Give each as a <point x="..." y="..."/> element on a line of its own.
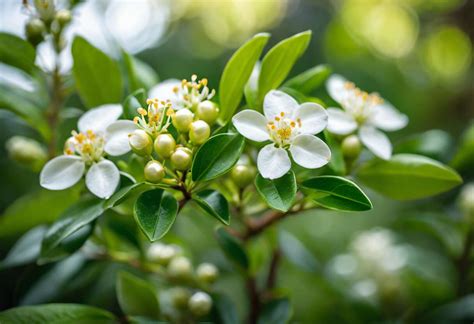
<point x="278" y="193"/>
<point x="251" y="88"/>
<point x="237" y="72"/>
<point x="214" y="204"/>
<point x="408" y="176"/>
<point x="134" y="101"/>
<point x="97" y="76"/>
<point x="336" y="193"/>
<point x="297" y="253"/>
<point x="217" y="156"/>
<point x="136" y="296"/>
<point x="232" y="248"/>
<point x="155" y="212"/>
<point x="277" y="311"/>
<point x="140" y="74"/>
<point x="17" y="52"/>
<point x="464" y="158"/>
<point x="434" y="144"/>
<point x="309" y="80"/>
<point x="337" y="163"/>
<point x="26" y="249"/>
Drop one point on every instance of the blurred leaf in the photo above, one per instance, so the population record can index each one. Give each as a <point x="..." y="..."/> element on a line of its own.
<point x="278" y="193"/>
<point x="433" y="143"/>
<point x="232" y="247"/>
<point x="309" y="80"/>
<point x="26" y="249"/>
<point x="122" y="194"/>
<point x="337" y="193"/>
<point x="226" y="309"/>
<point x="458" y="311"/>
<point x="295" y="251"/>
<point x="408" y="176"/>
<point x="56" y="313"/>
<point x="464" y="158"/>
<point x="136" y="296"/>
<point x="17" y="52"/>
<point x="277" y="311"/>
<point x="214" y="204"/>
<point x="134" y="101"/>
<point x="143" y="320"/>
<point x="277" y="63"/>
<point x="140" y="74"/>
<point x="251" y="88"/>
<point x="97" y="76"/>
<point x="236" y="74"/>
<point x="155" y="212"/>
<point x="336" y="163"/>
<point x="217" y="156"/>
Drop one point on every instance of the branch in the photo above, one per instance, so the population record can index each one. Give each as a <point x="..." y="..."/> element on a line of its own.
<point x="273" y="270"/>
<point x="463" y="264"/>
<point x="54" y="108"/>
<point x="254" y="299"/>
<point x="257" y="225"/>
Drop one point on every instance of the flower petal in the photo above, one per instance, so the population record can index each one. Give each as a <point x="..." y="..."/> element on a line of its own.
<point x="387" y="118"/>
<point x="309" y="151"/>
<point x="376" y="141"/>
<point x="273" y="162"/>
<point x="340" y="122"/>
<point x="314" y="118"/>
<point x="97" y="119"/>
<point x="116" y="137"/>
<point x="164" y="89"/>
<point x="252" y="125"/>
<point x="336" y="87"/>
<point x="276" y="102"/>
<point x="62" y="172"/>
<point x="102" y="179"/>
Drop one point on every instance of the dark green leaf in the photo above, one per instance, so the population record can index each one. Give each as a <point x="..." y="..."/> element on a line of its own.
<point x="26" y="249"/>
<point x="408" y="176"/>
<point x="277" y="311"/>
<point x="214" y="204"/>
<point x="337" y="193"/>
<point x="297" y="253"/>
<point x="123" y="193"/>
<point x="309" y="80"/>
<point x="155" y="212"/>
<point x="134" y="101"/>
<point x="464" y="158"/>
<point x="217" y="156"/>
<point x="278" y="193"/>
<point x="17" y="52"/>
<point x="232" y="247"/>
<point x="226" y="309"/>
<point x="136" y="296"/>
<point x="97" y="76"/>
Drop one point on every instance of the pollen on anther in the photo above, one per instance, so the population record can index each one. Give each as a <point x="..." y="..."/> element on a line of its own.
<point x="282" y="114"/>
<point x="142" y="111"/>
<point x="136" y="119"/>
<point x="149" y="101"/>
<point x="277" y="118"/>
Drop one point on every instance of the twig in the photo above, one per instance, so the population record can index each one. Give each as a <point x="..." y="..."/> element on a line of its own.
<point x="273" y="270"/>
<point x="54" y="108"/>
<point x="254" y="299"/>
<point x="463" y="264"/>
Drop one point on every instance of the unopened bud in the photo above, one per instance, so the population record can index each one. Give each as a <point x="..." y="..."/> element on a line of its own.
<point x="26" y="151"/>
<point x="180" y="297"/>
<point x="140" y="142"/>
<point x="243" y="175"/>
<point x="154" y="172"/>
<point x="45" y="9"/>
<point x="466" y="201"/>
<point x="200" y="303"/>
<point x="351" y="147"/>
<point x="181" y="158"/>
<point x="208" y="111"/>
<point x="63" y="17"/>
<point x="199" y="132"/>
<point x="180" y="267"/>
<point x="207" y="272"/>
<point x="182" y="119"/>
<point x="34" y="30"/>
<point x="161" y="253"/>
<point x="165" y="145"/>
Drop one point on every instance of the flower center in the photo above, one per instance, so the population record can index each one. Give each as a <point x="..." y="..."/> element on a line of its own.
<point x="360" y="103"/>
<point x="88" y="145"/>
<point x="192" y="93"/>
<point x="156" y="118"/>
<point x="282" y="129"/>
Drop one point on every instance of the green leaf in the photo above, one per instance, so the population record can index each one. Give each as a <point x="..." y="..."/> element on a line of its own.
<point x="122" y="194"/>
<point x="136" y="296"/>
<point x="97" y="76"/>
<point x="140" y="74"/>
<point x="236" y="74"/>
<point x="26" y="249"/>
<point x="408" y="176"/>
<point x="277" y="311"/>
<point x="337" y="193"/>
<point x="232" y="247"/>
<point x="337" y="163"/>
<point x="434" y="144"/>
<point x="17" y="52"/>
<point x="464" y="158"/>
<point x="226" y="309"/>
<point x="134" y="101"/>
<point x="278" y="193"/>
<point x="309" y="80"/>
<point x="214" y="204"/>
<point x="277" y="63"/>
<point x="56" y="313"/>
<point x="251" y="88"/>
<point x="297" y="253"/>
<point x="155" y="212"/>
<point x="217" y="156"/>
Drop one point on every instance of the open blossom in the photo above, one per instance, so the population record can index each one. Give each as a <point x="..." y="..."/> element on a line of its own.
<point x="84" y="154"/>
<point x="290" y="127"/>
<point x="364" y="112"/>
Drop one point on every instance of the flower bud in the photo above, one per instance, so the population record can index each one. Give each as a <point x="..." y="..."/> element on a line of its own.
<point x="180" y="267"/>
<point x="45" y="9"/>
<point x="199" y="132"/>
<point x="351" y="147"/>
<point x="63" y="17"/>
<point x="140" y="142"/>
<point x="207" y="111"/>
<point x="180" y="297"/>
<point x="207" y="272"/>
<point x="200" y="303"/>
<point x="154" y="171"/>
<point x="182" y="119"/>
<point x="161" y="253"/>
<point x="165" y="145"/>
<point x="466" y="201"/>
<point x="243" y="175"/>
<point x="181" y="158"/>
<point x="34" y="30"/>
<point x="26" y="151"/>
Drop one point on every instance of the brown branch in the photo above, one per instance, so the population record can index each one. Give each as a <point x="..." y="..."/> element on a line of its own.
<point x="273" y="269"/>
<point x="57" y="98"/>
<point x="254" y="299"/>
<point x="463" y="264"/>
<point x="257" y="225"/>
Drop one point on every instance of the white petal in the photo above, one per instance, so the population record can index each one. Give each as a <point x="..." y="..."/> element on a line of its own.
<point x="97" y="119"/>
<point x="314" y="118"/>
<point x="340" y="122"/>
<point x="102" y="179"/>
<point x="164" y="89"/>
<point x="336" y="87"/>
<point x="62" y="172"/>
<point x="387" y="118"/>
<point x="116" y="137"/>
<point x="251" y="124"/>
<point x="310" y="152"/>
<point x="376" y="141"/>
<point x="276" y="102"/>
<point x="273" y="162"/>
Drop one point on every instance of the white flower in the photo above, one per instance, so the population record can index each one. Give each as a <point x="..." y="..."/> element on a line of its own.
<point x="290" y="127"/>
<point x="363" y="112"/>
<point x="85" y="150"/>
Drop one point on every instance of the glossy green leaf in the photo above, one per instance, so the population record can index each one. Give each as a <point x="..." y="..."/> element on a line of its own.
<point x="310" y="79"/>
<point x="277" y="63"/>
<point x="56" y="313"/>
<point x="134" y="101"/>
<point x="155" y="212"/>
<point x="214" y="204"/>
<point x="408" y="176"/>
<point x="295" y="252"/>
<point x="434" y="144"/>
<point x="122" y="194"/>
<point x="136" y="296"/>
<point x="337" y="193"/>
<point x="26" y="249"/>
<point x="97" y="76"/>
<point x="232" y="248"/>
<point x="17" y="52"/>
<point x="278" y="193"/>
<point x="236" y="74"/>
<point x="277" y="311"/>
<point x="251" y="88"/>
<point x="217" y="156"/>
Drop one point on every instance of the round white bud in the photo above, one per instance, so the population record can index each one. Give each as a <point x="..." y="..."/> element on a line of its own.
<point x="466" y="201"/>
<point x="181" y="158"/>
<point x="140" y="142"/>
<point x="180" y="267"/>
<point x="26" y="151"/>
<point x="200" y="303"/>
<point x="351" y="147"/>
<point x="207" y="111"/>
<point x="207" y="272"/>
<point x="63" y="17"/>
<point x="161" y="253"/>
<point x="164" y="145"/>
<point x="182" y="119"/>
<point x="199" y="132"/>
<point x="154" y="172"/>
